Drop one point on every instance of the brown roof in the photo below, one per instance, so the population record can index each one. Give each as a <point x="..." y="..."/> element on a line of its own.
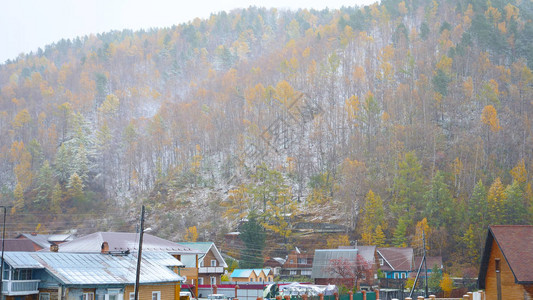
<point x="431" y="261"/>
<point x="516" y="244"/>
<point x="18" y="245"/>
<point x="396" y="259"/>
<point x="122" y="241"/>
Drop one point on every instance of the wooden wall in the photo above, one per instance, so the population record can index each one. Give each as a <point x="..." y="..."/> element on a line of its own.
<point x="510" y="290"/>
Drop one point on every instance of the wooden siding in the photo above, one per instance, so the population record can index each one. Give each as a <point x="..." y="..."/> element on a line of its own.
<point x="510" y="289"/>
<point x="145" y="291"/>
<point x="191" y="273"/>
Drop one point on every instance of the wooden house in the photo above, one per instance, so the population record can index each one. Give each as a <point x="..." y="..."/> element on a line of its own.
<point x="298" y="264"/>
<point x="507" y="263"/>
<point x="252" y="275"/>
<point x="348" y="267"/>
<point x="211" y="264"/>
<point x="396" y="262"/>
<point x="89" y="276"/>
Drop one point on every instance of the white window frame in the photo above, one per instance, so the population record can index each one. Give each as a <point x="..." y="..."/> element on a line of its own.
<point x="403" y="275"/>
<point x="44" y="296"/>
<point x="114" y="292"/>
<point x="293" y="272"/>
<point x="200" y="280"/>
<point x="132" y="296"/>
<point x="396" y="276"/>
<point x="381" y="261"/>
<point x="86" y="296"/>
<point x="213" y="263"/>
<point x="157" y="294"/>
<point x="213" y="280"/>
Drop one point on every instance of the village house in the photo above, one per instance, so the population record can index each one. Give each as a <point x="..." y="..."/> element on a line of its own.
<point x="275" y="264"/>
<point x="89" y="276"/>
<point x="345" y="266"/>
<point x="252" y="275"/>
<point x="44" y="241"/>
<point x="211" y="264"/>
<point x="507" y="261"/>
<point x="116" y="242"/>
<point x="297" y="264"/>
<point x="396" y="262"/>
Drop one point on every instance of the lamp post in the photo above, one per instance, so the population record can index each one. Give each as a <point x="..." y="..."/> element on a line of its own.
<point x="2" y="267"/>
<point x="138" y="273"/>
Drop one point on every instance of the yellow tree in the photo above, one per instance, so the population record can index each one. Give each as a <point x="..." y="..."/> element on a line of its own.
<point x="238" y="203"/>
<point x="340" y="240"/>
<point x="373" y="215"/>
<point x="446" y="284"/>
<point x="22" y="160"/>
<point x="422" y="231"/>
<point x="489" y="117"/>
<point x="496" y="199"/>
<point x="191" y="234"/>
<point x="279" y="212"/>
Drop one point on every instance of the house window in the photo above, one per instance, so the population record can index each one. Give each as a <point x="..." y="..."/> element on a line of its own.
<point x="292" y="261"/>
<point x="201" y="280"/>
<point x="202" y="264"/>
<point x="21" y="274"/>
<point x="112" y="294"/>
<point x="213" y="280"/>
<point x="292" y="272"/>
<point x="132" y="296"/>
<point x="307" y="272"/>
<point x="44" y="296"/>
<point x="396" y="276"/>
<point x="156" y="295"/>
<point x="403" y="275"/>
<point x="302" y="261"/>
<point x="251" y="280"/>
<point x="381" y="261"/>
<point x="87" y="296"/>
<point x="213" y="263"/>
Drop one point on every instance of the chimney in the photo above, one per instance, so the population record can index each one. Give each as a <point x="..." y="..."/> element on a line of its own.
<point x="105" y="248"/>
<point x="54" y="248"/>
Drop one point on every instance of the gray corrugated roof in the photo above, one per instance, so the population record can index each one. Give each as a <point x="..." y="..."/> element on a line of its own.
<point x="122" y="241"/>
<point x="203" y="247"/>
<point x="91" y="269"/>
<point x="323" y="257"/>
<point x="39" y="239"/>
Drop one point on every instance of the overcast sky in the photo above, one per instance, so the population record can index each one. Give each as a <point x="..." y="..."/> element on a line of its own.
<point x="26" y="25"/>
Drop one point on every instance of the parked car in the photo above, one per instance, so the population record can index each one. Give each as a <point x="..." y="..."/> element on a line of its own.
<point x="217" y="297"/>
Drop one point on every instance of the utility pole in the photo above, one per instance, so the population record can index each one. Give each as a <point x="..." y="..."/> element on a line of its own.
<point x="2" y="267"/>
<point x="425" y="261"/>
<point x="138" y="273"/>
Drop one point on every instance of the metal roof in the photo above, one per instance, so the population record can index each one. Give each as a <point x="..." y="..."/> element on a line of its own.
<point x="241" y="273"/>
<point x="323" y="258"/>
<point x="122" y="241"/>
<point x="18" y="245"/>
<point x="91" y="269"/>
<point x="203" y="247"/>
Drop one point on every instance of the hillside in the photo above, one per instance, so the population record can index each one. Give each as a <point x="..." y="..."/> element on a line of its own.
<point x="374" y="118"/>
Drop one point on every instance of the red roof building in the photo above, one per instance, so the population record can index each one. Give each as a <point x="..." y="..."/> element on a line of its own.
<point x="506" y="270"/>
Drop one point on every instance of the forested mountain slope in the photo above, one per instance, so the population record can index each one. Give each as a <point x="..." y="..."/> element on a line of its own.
<point x="374" y="118"/>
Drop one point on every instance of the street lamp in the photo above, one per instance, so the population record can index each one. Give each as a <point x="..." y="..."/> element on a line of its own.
<point x="138" y="272"/>
<point x="2" y="267"/>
